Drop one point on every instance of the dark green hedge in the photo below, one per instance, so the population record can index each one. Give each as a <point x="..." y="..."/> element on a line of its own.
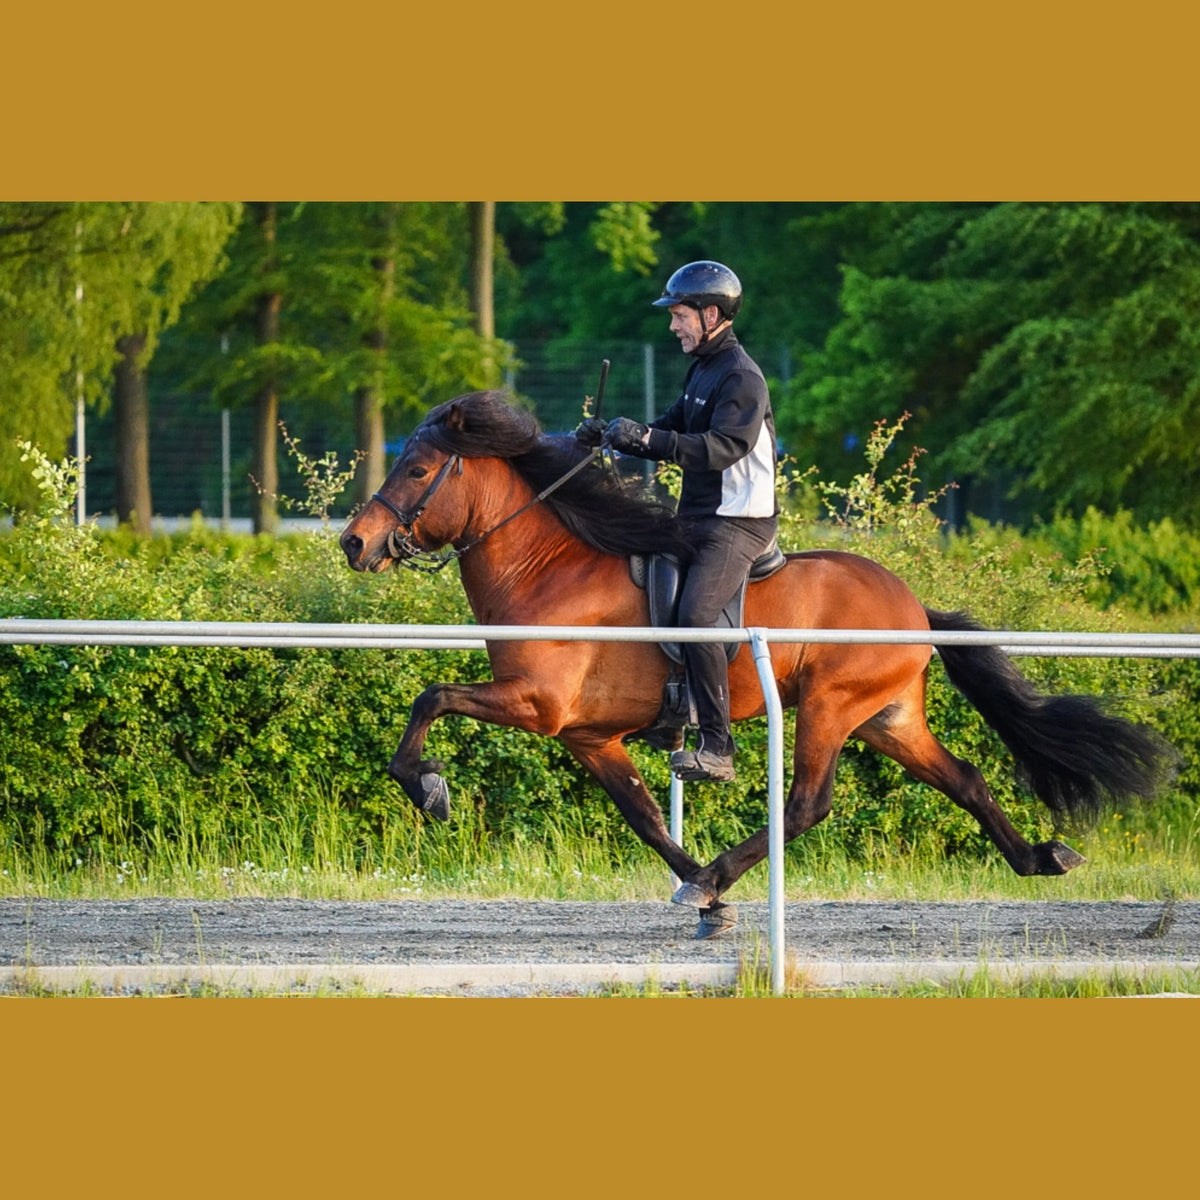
<point x="103" y="746"/>
<point x="113" y="742"/>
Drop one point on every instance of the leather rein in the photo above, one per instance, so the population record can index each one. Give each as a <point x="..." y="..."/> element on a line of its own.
<point x="406" y="552"/>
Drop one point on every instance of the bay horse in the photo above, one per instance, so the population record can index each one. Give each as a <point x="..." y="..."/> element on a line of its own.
<point x="541" y="538"/>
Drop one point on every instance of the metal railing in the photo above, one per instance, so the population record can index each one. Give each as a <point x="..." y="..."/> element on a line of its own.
<point x="287" y="635"/>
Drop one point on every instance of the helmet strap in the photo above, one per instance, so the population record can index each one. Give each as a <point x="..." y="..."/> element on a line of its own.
<point x="705" y="331"/>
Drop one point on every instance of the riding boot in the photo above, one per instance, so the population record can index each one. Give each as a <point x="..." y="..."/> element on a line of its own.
<point x="702" y="766"/>
<point x="708" y="681"/>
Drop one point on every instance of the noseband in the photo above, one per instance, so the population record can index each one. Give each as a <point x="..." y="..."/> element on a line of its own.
<point x="404" y="549"/>
<point x="400" y="543"/>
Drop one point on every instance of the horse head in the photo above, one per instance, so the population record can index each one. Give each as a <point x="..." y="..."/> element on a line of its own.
<point x="413" y="514"/>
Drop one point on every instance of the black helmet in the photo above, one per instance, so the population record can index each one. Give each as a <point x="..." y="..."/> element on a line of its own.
<point x="700" y="284"/>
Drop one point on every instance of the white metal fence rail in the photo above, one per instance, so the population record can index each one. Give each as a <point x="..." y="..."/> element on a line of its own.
<point x="289" y="635"/>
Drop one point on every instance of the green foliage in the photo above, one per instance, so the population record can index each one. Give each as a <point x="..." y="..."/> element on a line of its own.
<point x="73" y="279"/>
<point x="1153" y="569"/>
<point x="324" y="479"/>
<point x="623" y="231"/>
<point x="1050" y="349"/>
<point x="371" y="298"/>
<point x="199" y="748"/>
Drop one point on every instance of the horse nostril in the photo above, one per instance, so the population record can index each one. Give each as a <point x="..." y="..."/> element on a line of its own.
<point x="351" y="545"/>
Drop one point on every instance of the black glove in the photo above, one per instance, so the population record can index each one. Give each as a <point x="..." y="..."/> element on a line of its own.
<point x="625" y="435"/>
<point x="590" y="432"/>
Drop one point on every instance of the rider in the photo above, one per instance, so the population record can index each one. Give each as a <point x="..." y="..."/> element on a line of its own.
<point x="721" y="431"/>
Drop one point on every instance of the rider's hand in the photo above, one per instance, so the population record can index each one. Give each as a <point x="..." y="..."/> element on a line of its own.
<point x="590" y="432"/>
<point x="626" y="435"/>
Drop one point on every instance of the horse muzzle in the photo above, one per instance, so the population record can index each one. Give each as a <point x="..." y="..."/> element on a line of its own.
<point x="359" y="559"/>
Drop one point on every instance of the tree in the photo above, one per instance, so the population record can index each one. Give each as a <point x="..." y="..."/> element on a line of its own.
<point x="46" y="339"/>
<point x="1048" y="350"/>
<point x="268" y="301"/>
<point x="483" y="253"/>
<point x="1092" y="396"/>
<point x="90" y="289"/>
<point x="370" y="396"/>
<point x="163" y="252"/>
<point x="357" y="312"/>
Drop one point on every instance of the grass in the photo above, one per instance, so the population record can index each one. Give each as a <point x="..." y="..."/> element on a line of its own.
<point x="753" y="983"/>
<point x="411" y="859"/>
<point x="462" y="860"/>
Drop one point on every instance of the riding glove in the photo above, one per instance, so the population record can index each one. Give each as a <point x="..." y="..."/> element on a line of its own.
<point x="590" y="432"/>
<point x="625" y="435"/>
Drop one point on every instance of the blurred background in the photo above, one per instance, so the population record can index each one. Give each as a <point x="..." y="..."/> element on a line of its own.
<point x="1046" y="354"/>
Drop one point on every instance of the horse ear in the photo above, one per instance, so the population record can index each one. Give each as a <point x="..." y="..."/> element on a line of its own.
<point x="455" y="417"/>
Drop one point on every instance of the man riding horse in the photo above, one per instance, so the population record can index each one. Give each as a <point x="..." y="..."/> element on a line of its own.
<point x="721" y="432"/>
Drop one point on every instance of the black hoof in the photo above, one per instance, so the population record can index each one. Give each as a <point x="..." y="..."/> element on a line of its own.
<point x="435" y="796"/>
<point x="428" y="792"/>
<point x="715" y="920"/>
<point x="1057" y="858"/>
<point x="693" y="896"/>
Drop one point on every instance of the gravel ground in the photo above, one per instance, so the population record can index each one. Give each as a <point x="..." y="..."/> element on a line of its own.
<point x="521" y="947"/>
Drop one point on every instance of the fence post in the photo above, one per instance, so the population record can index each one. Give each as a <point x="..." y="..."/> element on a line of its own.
<point x="770" y="690"/>
<point x="226" y="506"/>
<point x="648" y="396"/>
<point x="676" y="820"/>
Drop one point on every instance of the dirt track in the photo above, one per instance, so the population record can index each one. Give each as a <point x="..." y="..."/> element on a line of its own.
<point x="513" y="948"/>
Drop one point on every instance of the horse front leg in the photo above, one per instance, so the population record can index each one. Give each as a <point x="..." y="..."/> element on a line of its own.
<point x="810" y="799"/>
<point x="495" y="702"/>
<point x="608" y="762"/>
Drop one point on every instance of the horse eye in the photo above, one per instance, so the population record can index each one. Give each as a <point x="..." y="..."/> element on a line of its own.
<point x="416" y="472"/>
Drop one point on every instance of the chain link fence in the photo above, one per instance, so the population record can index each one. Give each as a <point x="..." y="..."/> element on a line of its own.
<point x="200" y="454"/>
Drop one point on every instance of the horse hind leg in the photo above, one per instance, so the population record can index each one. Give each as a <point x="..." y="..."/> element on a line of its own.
<point x="902" y="734"/>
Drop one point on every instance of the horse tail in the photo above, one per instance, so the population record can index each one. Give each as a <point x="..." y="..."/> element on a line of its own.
<point x="1075" y="756"/>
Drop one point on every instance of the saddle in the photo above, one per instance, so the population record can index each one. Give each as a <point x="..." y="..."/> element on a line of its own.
<point x="661" y="576"/>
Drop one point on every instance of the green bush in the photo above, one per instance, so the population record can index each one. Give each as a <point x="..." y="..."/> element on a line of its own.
<point x="119" y="745"/>
<point x="1153" y="571"/>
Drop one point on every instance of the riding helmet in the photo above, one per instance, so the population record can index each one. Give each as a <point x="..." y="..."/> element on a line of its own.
<point x="702" y="283"/>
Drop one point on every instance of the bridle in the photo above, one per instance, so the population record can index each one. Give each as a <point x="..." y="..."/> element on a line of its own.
<point x="400" y="543"/>
<point x="407" y="552"/>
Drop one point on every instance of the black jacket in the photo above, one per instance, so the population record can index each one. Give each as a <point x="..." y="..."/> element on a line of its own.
<point x="721" y="431"/>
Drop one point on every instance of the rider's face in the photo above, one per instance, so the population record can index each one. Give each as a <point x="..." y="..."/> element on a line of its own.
<point x="685" y="325"/>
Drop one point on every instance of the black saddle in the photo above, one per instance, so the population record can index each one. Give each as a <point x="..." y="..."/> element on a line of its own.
<point x="662" y="575"/>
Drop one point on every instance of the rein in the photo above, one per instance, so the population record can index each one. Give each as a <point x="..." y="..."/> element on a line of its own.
<point x="407" y="553"/>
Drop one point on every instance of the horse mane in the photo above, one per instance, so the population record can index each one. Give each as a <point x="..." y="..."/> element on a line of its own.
<point x="594" y="505"/>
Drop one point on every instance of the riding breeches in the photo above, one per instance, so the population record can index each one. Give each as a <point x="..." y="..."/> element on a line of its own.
<point x="723" y="549"/>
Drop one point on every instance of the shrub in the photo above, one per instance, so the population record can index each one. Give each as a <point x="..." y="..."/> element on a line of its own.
<point x="104" y="743"/>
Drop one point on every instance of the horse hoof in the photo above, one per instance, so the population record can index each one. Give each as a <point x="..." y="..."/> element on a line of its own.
<point x="1057" y="858"/>
<point x="715" y="920"/>
<point x="435" y="796"/>
<point x="693" y="896"/>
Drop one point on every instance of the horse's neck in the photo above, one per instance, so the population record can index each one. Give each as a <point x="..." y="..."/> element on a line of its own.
<point x="512" y="559"/>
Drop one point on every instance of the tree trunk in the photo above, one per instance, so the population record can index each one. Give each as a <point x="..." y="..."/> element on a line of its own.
<point x="368" y="400"/>
<point x="131" y="410"/>
<point x="264" y="500"/>
<point x="483" y="249"/>
<point x="368" y="438"/>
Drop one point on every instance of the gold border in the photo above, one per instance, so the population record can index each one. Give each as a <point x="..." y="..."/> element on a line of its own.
<point x="579" y="1097"/>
